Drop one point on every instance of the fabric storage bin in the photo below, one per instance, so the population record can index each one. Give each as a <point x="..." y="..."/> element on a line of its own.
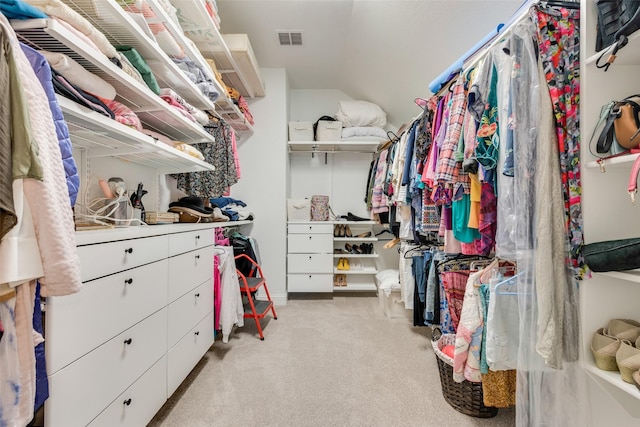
<point x="465" y="397"/>
<point x="329" y="130"/>
<point x="300" y="131"/>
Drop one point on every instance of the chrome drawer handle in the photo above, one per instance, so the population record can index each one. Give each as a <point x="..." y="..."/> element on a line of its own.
<point x="197" y="256"/>
<point x="310" y="237"/>
<point x="197" y="238"/>
<point x="196" y="333"/>
<point x="128" y="341"/>
<point x="198" y="295"/>
<point x="128" y="281"/>
<point x="127" y="402"/>
<point x="128" y="251"/>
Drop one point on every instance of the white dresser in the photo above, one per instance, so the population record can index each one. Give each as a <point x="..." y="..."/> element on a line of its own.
<point x="310" y="257"/>
<point x="122" y="345"/>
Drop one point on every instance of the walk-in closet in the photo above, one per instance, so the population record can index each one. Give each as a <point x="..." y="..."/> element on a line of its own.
<point x="319" y="212"/>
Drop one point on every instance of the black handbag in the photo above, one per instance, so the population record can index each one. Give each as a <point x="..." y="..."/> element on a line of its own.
<point x="616" y="18"/>
<point x="613" y="255"/>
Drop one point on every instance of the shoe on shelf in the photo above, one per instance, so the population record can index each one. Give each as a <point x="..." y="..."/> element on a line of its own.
<point x="352" y="217"/>
<point x="623" y="329"/>
<point x="604" y="349"/>
<point x="340" y="251"/>
<point x="355" y="249"/>
<point x="628" y="359"/>
<point x="356" y="265"/>
<point x="347" y="231"/>
<point x="363" y="235"/>
<point x="340" y="265"/>
<point x="345" y="264"/>
<point x="343" y="280"/>
<point x="636" y="378"/>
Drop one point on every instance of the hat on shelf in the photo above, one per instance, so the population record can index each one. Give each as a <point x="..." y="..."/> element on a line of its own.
<point x="191" y="209"/>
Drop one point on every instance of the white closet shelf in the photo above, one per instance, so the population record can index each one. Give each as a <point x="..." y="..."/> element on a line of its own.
<point x="102" y="136"/>
<point x="356" y="255"/>
<point x="355" y="239"/>
<point x="364" y="271"/>
<point x="626" y="394"/>
<point x="121" y="30"/>
<point x="355" y="222"/>
<point x="356" y="287"/>
<point x="199" y="26"/>
<point x="155" y="114"/>
<point x="628" y="55"/>
<point x="333" y="146"/>
<point x="614" y="161"/>
<point x="629" y="275"/>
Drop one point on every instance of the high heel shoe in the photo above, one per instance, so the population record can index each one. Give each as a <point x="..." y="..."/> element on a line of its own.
<point x="347" y="231"/>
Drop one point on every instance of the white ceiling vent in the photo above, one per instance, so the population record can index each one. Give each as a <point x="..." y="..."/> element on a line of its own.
<point x="290" y="38"/>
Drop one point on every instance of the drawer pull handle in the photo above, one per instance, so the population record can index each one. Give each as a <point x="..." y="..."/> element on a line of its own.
<point x="198" y="295"/>
<point x="127" y="402"/>
<point x="309" y="256"/>
<point x="196" y="333"/>
<point x="128" y="281"/>
<point x="128" y="341"/>
<point x="128" y="251"/>
<point x="310" y="237"/>
<point x="197" y="256"/>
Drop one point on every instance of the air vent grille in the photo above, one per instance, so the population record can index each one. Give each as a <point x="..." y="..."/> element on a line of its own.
<point x="290" y="38"/>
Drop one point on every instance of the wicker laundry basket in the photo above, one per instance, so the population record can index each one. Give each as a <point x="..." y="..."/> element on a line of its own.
<point x="465" y="397"/>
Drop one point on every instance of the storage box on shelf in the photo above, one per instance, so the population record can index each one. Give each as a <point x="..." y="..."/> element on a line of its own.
<point x="607" y="208"/>
<point x="360" y="276"/>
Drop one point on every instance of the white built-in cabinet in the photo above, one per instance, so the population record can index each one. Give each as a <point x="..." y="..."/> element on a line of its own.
<point x="608" y="214"/>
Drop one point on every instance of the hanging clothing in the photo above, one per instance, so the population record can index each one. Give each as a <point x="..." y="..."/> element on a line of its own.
<point x="558" y="39"/>
<point x="231" y="308"/>
<point x="466" y="359"/>
<point x="220" y="153"/>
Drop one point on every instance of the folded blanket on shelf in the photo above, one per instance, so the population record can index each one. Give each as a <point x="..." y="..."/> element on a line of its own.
<point x="124" y="114"/>
<point x="188" y="149"/>
<point x="160" y="137"/>
<point x="141" y="65"/>
<point x="78" y="75"/>
<point x="177" y="101"/>
<point x="17" y="9"/>
<point x="199" y="77"/>
<point x="63" y="87"/>
<point x="128" y="68"/>
<point x="349" y="132"/>
<point x="60" y="10"/>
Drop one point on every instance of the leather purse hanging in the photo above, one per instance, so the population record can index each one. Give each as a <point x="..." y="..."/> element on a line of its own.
<point x="621" y="125"/>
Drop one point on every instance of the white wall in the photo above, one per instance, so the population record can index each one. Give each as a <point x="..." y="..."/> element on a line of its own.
<point x="263" y="184"/>
<point x="343" y="176"/>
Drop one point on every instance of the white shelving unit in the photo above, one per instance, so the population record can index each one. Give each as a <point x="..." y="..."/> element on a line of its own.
<point x="154" y="113"/>
<point x="608" y="215"/>
<point x="102" y="136"/>
<point x="357" y="279"/>
<point x="200" y="28"/>
<point x="333" y="146"/>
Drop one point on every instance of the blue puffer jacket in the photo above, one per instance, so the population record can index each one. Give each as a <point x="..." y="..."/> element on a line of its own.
<point x="42" y="70"/>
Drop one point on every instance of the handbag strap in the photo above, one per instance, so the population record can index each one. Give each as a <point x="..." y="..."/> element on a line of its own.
<point x="632" y="189"/>
<point x="606" y="136"/>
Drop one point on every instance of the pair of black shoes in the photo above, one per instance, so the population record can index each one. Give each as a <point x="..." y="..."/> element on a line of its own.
<point x="351" y="217"/>
<point x="365" y="248"/>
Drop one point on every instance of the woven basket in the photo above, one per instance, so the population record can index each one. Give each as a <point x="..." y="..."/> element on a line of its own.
<point x="465" y="397"/>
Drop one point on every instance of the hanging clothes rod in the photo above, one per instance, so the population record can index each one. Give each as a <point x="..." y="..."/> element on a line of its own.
<point x="477" y="52"/>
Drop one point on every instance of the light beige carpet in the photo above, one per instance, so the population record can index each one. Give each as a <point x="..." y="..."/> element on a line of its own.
<point x="324" y="362"/>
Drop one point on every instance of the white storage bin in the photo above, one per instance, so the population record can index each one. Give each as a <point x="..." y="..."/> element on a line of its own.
<point x="329" y="130"/>
<point x="393" y="305"/>
<point x="300" y="131"/>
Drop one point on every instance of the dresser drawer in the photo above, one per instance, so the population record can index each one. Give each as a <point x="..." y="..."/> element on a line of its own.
<point x="310" y="263"/>
<point x="310" y="228"/>
<point x="107" y="258"/>
<point x="78" y="323"/>
<point x="188" y="351"/>
<point x="310" y="243"/>
<point x="87" y="386"/>
<point x="188" y="270"/>
<point x="191" y="240"/>
<point x="139" y="403"/>
<point x="310" y="282"/>
<point x="187" y="310"/>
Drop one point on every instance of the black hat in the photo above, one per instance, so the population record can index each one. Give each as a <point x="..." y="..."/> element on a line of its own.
<point x="194" y="203"/>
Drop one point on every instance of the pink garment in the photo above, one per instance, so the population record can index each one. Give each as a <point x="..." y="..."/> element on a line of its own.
<point x="234" y="148"/>
<point x="244" y="107"/>
<point x="217" y="296"/>
<point x="124" y="114"/>
<point x="25" y="296"/>
<point x="175" y="104"/>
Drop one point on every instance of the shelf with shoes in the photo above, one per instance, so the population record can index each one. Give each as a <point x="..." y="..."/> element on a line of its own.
<point x="354" y="255"/>
<point x="614" y="294"/>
